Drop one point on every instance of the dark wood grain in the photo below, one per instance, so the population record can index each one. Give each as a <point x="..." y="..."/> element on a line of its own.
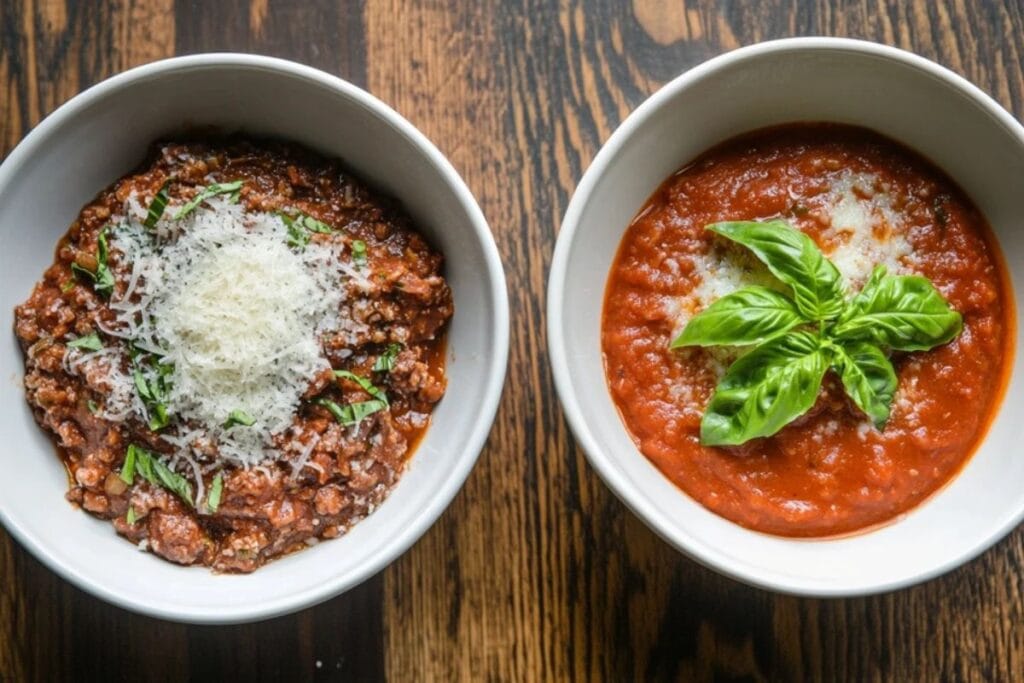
<point x="535" y="572"/>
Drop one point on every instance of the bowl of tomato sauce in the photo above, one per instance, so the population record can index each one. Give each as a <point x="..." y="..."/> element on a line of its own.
<point x="782" y="316"/>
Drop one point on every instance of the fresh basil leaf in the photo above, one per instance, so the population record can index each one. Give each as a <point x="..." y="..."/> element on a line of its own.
<point x="153" y="470"/>
<point x="93" y="408"/>
<point x="364" y="383"/>
<point x="68" y="285"/>
<point x="765" y="390"/>
<point x="386" y="361"/>
<point x="90" y="342"/>
<point x="359" y="253"/>
<point x="902" y="312"/>
<point x="354" y="413"/>
<point x="232" y="188"/>
<point x="239" y="417"/>
<point x="313" y="225"/>
<point x="128" y="467"/>
<point x="102" y="279"/>
<point x="160" y="417"/>
<point x="213" y="500"/>
<point x="130" y="517"/>
<point x="172" y="481"/>
<point x="793" y="258"/>
<point x="104" y="284"/>
<point x="157" y="206"/>
<point x="868" y="377"/>
<point x="747" y="316"/>
<point x="297" y="236"/>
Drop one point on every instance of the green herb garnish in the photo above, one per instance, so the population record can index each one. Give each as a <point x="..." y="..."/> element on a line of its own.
<point x="353" y="413"/>
<point x="300" y="225"/>
<point x="157" y="206"/>
<point x="386" y="361"/>
<point x="149" y="466"/>
<point x="232" y="188"/>
<point x="798" y="339"/>
<point x="130" y="517"/>
<point x="90" y="342"/>
<point x="365" y="384"/>
<point x="91" y="405"/>
<point x="213" y="500"/>
<point x="67" y="286"/>
<point x="128" y="467"/>
<point x="153" y="391"/>
<point x="102" y="279"/>
<point x="359" y="253"/>
<point x="239" y="417"/>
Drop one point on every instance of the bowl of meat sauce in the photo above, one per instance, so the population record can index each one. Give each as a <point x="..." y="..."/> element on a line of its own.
<point x="783" y="321"/>
<point x="243" y="340"/>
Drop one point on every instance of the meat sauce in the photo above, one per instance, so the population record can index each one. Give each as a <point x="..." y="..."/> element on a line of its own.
<point x="269" y="510"/>
<point x="829" y="472"/>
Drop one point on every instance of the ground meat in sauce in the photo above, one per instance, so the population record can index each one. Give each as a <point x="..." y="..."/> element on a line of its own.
<point x="828" y="472"/>
<point x="264" y="511"/>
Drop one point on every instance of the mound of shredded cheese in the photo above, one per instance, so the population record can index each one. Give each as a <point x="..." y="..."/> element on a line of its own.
<point x="233" y="312"/>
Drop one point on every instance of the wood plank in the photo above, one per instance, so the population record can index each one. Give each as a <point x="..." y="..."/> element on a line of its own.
<point x="536" y="571"/>
<point x="579" y="588"/>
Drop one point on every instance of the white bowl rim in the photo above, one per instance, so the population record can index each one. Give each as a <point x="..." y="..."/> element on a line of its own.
<point x="631" y="494"/>
<point x="499" y="319"/>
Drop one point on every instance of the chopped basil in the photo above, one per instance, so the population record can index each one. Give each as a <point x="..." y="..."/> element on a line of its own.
<point x="213" y="500"/>
<point x="102" y="279"/>
<point x="386" y="361"/>
<point x="798" y="339"/>
<point x="232" y="188"/>
<point x="67" y="286"/>
<point x="128" y="468"/>
<point x="91" y="405"/>
<point x="364" y="383"/>
<point x="353" y="413"/>
<point x="89" y="342"/>
<point x="130" y="517"/>
<point x="239" y="417"/>
<point x="157" y="206"/>
<point x="359" y="253"/>
<point x="300" y="225"/>
<point x="152" y="469"/>
<point x="153" y="392"/>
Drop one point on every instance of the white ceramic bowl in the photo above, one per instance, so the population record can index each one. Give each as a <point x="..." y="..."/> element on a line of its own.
<point x="104" y="133"/>
<point x="896" y="93"/>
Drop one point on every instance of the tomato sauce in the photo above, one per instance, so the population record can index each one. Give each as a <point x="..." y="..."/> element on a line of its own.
<point x="829" y="472"/>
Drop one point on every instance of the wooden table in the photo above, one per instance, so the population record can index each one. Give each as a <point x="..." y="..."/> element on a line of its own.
<point x="536" y="571"/>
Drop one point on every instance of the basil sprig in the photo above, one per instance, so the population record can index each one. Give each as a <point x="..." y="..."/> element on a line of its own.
<point x="148" y="465"/>
<point x="233" y="189"/>
<point x="798" y="339"/>
<point x="102" y="278"/>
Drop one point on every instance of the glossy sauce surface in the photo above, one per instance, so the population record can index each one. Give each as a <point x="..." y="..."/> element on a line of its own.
<point x="829" y="472"/>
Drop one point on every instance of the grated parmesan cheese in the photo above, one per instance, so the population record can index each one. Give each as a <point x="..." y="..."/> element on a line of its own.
<point x="221" y="298"/>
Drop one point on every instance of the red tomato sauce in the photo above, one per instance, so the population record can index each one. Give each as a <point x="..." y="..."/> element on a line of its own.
<point x="829" y="472"/>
